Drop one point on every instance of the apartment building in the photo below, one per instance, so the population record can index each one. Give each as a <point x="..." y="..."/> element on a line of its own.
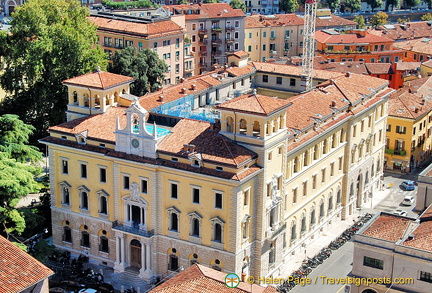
<point x="404" y="31"/>
<point x="409" y="126"/>
<point x="417" y="50"/>
<point x="395" y="249"/>
<point x="281" y="35"/>
<point x="356" y="45"/>
<point x="213" y="30"/>
<point x="241" y="184"/>
<point x="162" y="35"/>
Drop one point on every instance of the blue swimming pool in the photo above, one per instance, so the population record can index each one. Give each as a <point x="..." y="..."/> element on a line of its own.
<point x="160" y="131"/>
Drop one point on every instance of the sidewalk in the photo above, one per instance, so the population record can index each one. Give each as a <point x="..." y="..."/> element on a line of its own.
<point x="330" y="234"/>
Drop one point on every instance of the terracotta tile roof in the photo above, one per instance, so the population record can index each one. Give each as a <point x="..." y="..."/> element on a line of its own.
<point x="241" y="54"/>
<point x="254" y="103"/>
<point x="379" y="68"/>
<point x="427" y="214"/>
<point x="200" y="279"/>
<point x="256" y="21"/>
<point x="422" y="46"/>
<point x="283" y="69"/>
<point x="206" y="10"/>
<point x="99" y="80"/>
<point x="414" y="30"/>
<point x="427" y="63"/>
<point x="407" y="65"/>
<point x="387" y="227"/>
<point x="208" y="143"/>
<point x="422" y="237"/>
<point x="353" y="67"/>
<point x="19" y="270"/>
<point x="99" y="127"/>
<point x="325" y="38"/>
<point x="146" y="30"/>
<point x="239" y="71"/>
<point x="333" y="21"/>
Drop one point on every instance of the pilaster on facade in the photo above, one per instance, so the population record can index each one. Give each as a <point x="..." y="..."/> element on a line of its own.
<point x="116" y="190"/>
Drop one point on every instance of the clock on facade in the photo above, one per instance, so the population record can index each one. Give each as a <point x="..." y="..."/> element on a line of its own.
<point x="135" y="143"/>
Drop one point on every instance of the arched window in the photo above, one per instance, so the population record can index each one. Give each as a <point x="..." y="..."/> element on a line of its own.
<point x="67" y="233"/>
<point x="86" y="101"/>
<point x="330" y="203"/>
<point x="334" y="142"/>
<point x="97" y="101"/>
<point x="243" y="126"/>
<point x="306" y="159"/>
<point x="256" y="128"/>
<point x="321" y="210"/>
<point x="303" y="224"/>
<point x="103" y="205"/>
<point x="174" y="222"/>
<point x="339" y="197"/>
<point x="296" y="165"/>
<point x="325" y="145"/>
<point x="217" y="232"/>
<point x="316" y="155"/>
<point x="272" y="254"/>
<point x="85" y="237"/>
<point x="379" y="166"/>
<point x="373" y="170"/>
<point x="367" y="177"/>
<point x="65" y="191"/>
<point x="293" y="231"/>
<point x="75" y="98"/>
<point x="135" y="123"/>
<point x="230" y="124"/>
<point x="103" y="242"/>
<point x="173" y="264"/>
<point x="312" y="216"/>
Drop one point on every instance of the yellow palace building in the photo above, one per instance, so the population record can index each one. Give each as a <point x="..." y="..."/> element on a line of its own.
<point x="241" y="192"/>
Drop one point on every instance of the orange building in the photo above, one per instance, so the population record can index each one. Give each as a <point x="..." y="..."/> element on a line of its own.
<point x="418" y="50"/>
<point x="356" y="45"/>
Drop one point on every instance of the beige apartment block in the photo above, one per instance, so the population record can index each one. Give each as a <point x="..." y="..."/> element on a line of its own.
<point x="214" y="30"/>
<point x="163" y="36"/>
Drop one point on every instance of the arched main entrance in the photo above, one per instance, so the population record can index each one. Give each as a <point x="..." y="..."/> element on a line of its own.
<point x="135" y="253"/>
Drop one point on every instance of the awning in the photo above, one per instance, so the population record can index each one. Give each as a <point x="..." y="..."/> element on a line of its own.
<point x="399" y="162"/>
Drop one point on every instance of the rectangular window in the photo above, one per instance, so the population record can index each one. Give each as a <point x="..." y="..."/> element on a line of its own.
<point x="323" y="175"/>
<point x="265" y="78"/>
<point x="354" y="130"/>
<point x="294" y="195"/>
<point x="196" y="195"/>
<point x="83" y="171"/>
<point x="292" y="82"/>
<point x="373" y="263"/>
<point x="264" y="34"/>
<point x="144" y="186"/>
<point x="126" y="182"/>
<point x="414" y="130"/>
<point x="250" y="35"/>
<point x="278" y="80"/>
<point x="102" y="175"/>
<point x="332" y="169"/>
<point x="246" y="197"/>
<point x="249" y="48"/>
<point x="401" y="129"/>
<point x="340" y="163"/>
<point x="65" y="167"/>
<point x="174" y="190"/>
<point x="264" y="47"/>
<point x="177" y="43"/>
<point x="426" y="277"/>
<point x="314" y="177"/>
<point x="218" y="200"/>
<point x="305" y="188"/>
<point x="388" y="129"/>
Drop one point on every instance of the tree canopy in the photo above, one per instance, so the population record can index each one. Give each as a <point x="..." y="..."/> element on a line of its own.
<point x="131" y="4"/>
<point x="333" y="5"/>
<point x="354" y="5"/>
<point x="237" y="4"/>
<point x="374" y="4"/>
<point x="50" y="41"/>
<point x="360" y="21"/>
<point x="412" y="3"/>
<point x="392" y="3"/>
<point x="17" y="170"/>
<point x="379" y="18"/>
<point x="427" y="16"/>
<point x="288" y="5"/>
<point x="145" y="66"/>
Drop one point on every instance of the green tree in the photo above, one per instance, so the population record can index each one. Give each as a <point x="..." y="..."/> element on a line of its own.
<point x="288" y="5"/>
<point x="17" y="171"/>
<point x="354" y="5"/>
<point x="427" y="16"/>
<point x="393" y="3"/>
<point x="412" y="3"/>
<point x="429" y="3"/>
<point x="211" y="1"/>
<point x="374" y="4"/>
<point x="145" y="66"/>
<point x="182" y="2"/>
<point x="379" y="18"/>
<point x="237" y="4"/>
<point x="403" y="20"/>
<point x="360" y="21"/>
<point x="50" y="41"/>
<point x="333" y="5"/>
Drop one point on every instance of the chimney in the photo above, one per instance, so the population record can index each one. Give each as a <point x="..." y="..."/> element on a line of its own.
<point x="194" y="87"/>
<point x="416" y="110"/>
<point x="191" y="148"/>
<point x="161" y="98"/>
<point x="347" y="74"/>
<point x="185" y="147"/>
<point x="333" y="104"/>
<point x="183" y="90"/>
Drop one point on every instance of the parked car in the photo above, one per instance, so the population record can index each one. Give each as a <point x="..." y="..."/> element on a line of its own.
<point x="408" y="200"/>
<point x="400" y="213"/>
<point x="408" y="185"/>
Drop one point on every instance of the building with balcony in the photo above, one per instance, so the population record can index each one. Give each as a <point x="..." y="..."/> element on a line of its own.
<point x="208" y="171"/>
<point x="356" y="45"/>
<point x="397" y="251"/>
<point x="409" y="126"/>
<point x="281" y="35"/>
<point x="214" y="31"/>
<point x="161" y="34"/>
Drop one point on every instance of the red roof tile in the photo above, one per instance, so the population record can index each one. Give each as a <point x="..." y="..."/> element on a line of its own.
<point x="18" y="269"/>
<point x="333" y="21"/>
<point x="241" y="54"/>
<point x="325" y="38"/>
<point x="379" y="68"/>
<point x="256" y="21"/>
<point x="407" y="65"/>
<point x="353" y="67"/>
<point x="422" y="46"/>
<point x="421" y="237"/>
<point x="388" y="227"/>
<point x="283" y="69"/>
<point x="99" y="80"/>
<point x="146" y="30"/>
<point x="208" y="143"/>
<point x="254" y="103"/>
<point x="427" y="63"/>
<point x="200" y="279"/>
<point x="414" y="30"/>
<point x="206" y="10"/>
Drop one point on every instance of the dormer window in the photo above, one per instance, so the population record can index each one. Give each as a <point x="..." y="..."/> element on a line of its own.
<point x="63" y="137"/>
<point x="174" y="159"/>
<point x="196" y="163"/>
<point x="219" y="168"/>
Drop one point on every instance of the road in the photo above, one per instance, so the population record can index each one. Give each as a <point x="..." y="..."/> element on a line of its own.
<point x="339" y="265"/>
